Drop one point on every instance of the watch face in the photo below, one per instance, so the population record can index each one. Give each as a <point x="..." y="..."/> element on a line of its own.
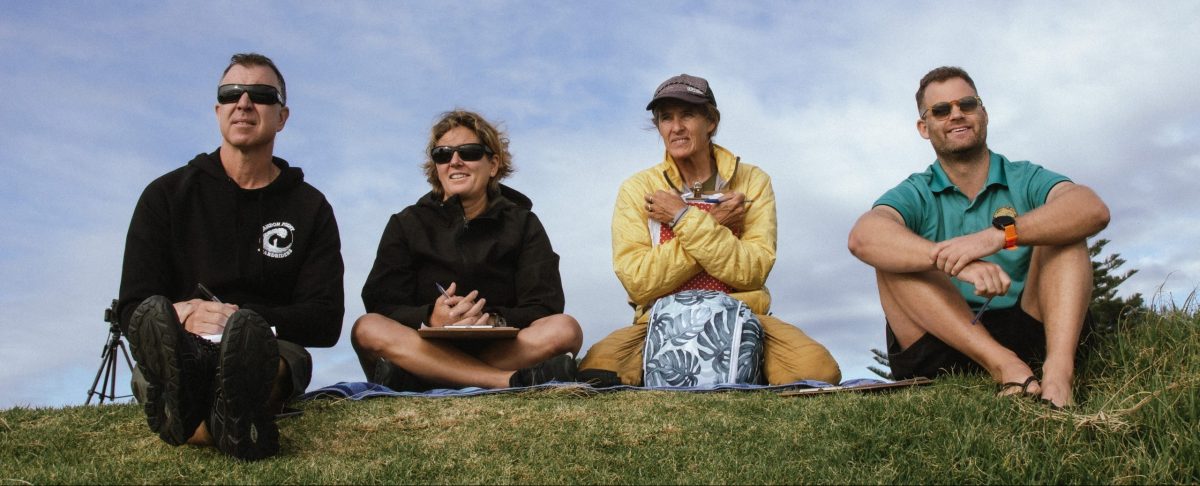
<point x="1001" y="221"/>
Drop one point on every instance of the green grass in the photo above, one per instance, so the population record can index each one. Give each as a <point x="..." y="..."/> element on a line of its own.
<point x="1138" y="423"/>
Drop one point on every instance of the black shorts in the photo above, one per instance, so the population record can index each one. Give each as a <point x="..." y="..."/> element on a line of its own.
<point x="299" y="362"/>
<point x="930" y="357"/>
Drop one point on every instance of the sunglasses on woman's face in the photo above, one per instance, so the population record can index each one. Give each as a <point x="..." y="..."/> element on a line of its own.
<point x="966" y="104"/>
<point x="261" y="94"/>
<point x="469" y="152"/>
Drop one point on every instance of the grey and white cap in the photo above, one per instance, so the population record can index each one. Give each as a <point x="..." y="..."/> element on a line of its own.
<point x="684" y="87"/>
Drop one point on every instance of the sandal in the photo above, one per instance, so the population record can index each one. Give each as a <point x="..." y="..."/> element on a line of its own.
<point x="1024" y="386"/>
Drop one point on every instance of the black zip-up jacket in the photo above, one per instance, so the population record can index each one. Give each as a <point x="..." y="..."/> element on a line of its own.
<point x="504" y="254"/>
<point x="273" y="250"/>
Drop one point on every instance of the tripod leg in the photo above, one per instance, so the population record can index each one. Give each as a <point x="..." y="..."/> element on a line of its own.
<point x="112" y="375"/>
<point x="108" y="359"/>
<point x="104" y="385"/>
<point x="128" y="365"/>
<point x="96" y="380"/>
<point x="128" y="362"/>
<point x="107" y="364"/>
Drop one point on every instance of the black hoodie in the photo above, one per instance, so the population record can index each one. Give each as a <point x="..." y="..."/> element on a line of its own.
<point x="503" y="253"/>
<point x="273" y="250"/>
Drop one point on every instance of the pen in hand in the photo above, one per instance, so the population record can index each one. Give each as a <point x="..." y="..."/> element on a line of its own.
<point x="981" y="309"/>
<point x="207" y="294"/>
<point x="445" y="294"/>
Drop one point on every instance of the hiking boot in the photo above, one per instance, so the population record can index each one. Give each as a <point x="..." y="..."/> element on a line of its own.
<point x="560" y="368"/>
<point x="177" y="366"/>
<point x="241" y="425"/>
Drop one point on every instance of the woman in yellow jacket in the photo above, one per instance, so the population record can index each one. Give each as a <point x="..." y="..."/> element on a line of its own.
<point x="661" y="245"/>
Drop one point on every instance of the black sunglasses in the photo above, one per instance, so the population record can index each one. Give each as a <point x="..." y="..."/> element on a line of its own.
<point x="469" y="152"/>
<point x="262" y="94"/>
<point x="966" y="104"/>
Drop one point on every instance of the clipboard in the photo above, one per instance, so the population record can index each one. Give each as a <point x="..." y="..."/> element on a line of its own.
<point x="875" y="388"/>
<point x="468" y="332"/>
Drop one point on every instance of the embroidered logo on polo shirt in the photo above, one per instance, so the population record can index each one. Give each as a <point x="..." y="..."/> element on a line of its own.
<point x="277" y="239"/>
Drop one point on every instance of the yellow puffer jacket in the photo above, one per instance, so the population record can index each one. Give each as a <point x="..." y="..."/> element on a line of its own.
<point x="649" y="272"/>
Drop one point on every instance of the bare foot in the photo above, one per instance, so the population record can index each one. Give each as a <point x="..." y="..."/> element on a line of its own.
<point x="1056" y="384"/>
<point x="1057" y="394"/>
<point x="1056" y="389"/>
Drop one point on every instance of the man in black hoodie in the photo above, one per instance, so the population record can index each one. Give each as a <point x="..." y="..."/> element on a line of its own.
<point x="233" y="248"/>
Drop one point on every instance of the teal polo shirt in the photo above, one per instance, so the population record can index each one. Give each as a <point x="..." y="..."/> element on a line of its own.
<point x="936" y="209"/>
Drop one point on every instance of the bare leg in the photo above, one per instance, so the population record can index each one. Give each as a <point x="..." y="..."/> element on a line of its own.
<point x="927" y="302"/>
<point x="376" y="336"/>
<point x="545" y="338"/>
<point x="201" y="437"/>
<point x="1057" y="293"/>
<point x="282" y="389"/>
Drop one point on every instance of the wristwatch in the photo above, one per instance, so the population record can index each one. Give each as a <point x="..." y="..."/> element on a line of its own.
<point x="1008" y="225"/>
<point x="498" y="320"/>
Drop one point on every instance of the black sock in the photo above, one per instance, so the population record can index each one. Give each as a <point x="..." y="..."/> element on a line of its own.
<point x="516" y="381"/>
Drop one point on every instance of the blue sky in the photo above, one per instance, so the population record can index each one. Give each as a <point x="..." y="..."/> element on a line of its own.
<point x="102" y="97"/>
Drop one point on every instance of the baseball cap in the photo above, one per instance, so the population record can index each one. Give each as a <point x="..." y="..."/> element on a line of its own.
<point x="684" y="87"/>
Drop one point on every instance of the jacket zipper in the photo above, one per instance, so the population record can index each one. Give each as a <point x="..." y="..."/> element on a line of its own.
<point x="737" y="162"/>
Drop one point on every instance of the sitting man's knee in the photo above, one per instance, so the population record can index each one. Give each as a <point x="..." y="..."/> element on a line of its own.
<point x="558" y="334"/>
<point x="568" y="334"/>
<point x="361" y="335"/>
<point x="372" y="331"/>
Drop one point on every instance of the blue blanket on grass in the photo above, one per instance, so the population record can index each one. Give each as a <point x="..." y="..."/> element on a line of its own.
<point x="362" y="390"/>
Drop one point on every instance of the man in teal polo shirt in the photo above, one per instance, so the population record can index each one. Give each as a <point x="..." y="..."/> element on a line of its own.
<point x="977" y="232"/>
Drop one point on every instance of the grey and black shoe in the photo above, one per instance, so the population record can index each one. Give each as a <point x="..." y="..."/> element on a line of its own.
<point x="177" y="368"/>
<point x="560" y="368"/>
<point x="241" y="425"/>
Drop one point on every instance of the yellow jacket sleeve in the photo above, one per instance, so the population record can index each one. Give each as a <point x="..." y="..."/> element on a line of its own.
<point x="647" y="271"/>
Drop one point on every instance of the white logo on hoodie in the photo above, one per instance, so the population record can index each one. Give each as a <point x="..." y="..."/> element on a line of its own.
<point x="277" y="239"/>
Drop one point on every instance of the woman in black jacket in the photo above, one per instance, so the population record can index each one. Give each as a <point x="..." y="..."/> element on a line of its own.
<point x="470" y="252"/>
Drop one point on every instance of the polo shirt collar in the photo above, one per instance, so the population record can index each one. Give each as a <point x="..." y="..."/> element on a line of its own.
<point x="996" y="174"/>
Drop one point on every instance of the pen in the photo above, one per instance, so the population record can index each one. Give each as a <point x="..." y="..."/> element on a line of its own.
<point x="716" y="198"/>
<point x="981" y="309"/>
<point x="442" y="290"/>
<point x="207" y="294"/>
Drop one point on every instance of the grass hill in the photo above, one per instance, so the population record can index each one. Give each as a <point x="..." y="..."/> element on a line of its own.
<point x="1137" y="423"/>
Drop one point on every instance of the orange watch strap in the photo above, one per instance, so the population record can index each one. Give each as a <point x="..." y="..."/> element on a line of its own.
<point x="1010" y="237"/>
